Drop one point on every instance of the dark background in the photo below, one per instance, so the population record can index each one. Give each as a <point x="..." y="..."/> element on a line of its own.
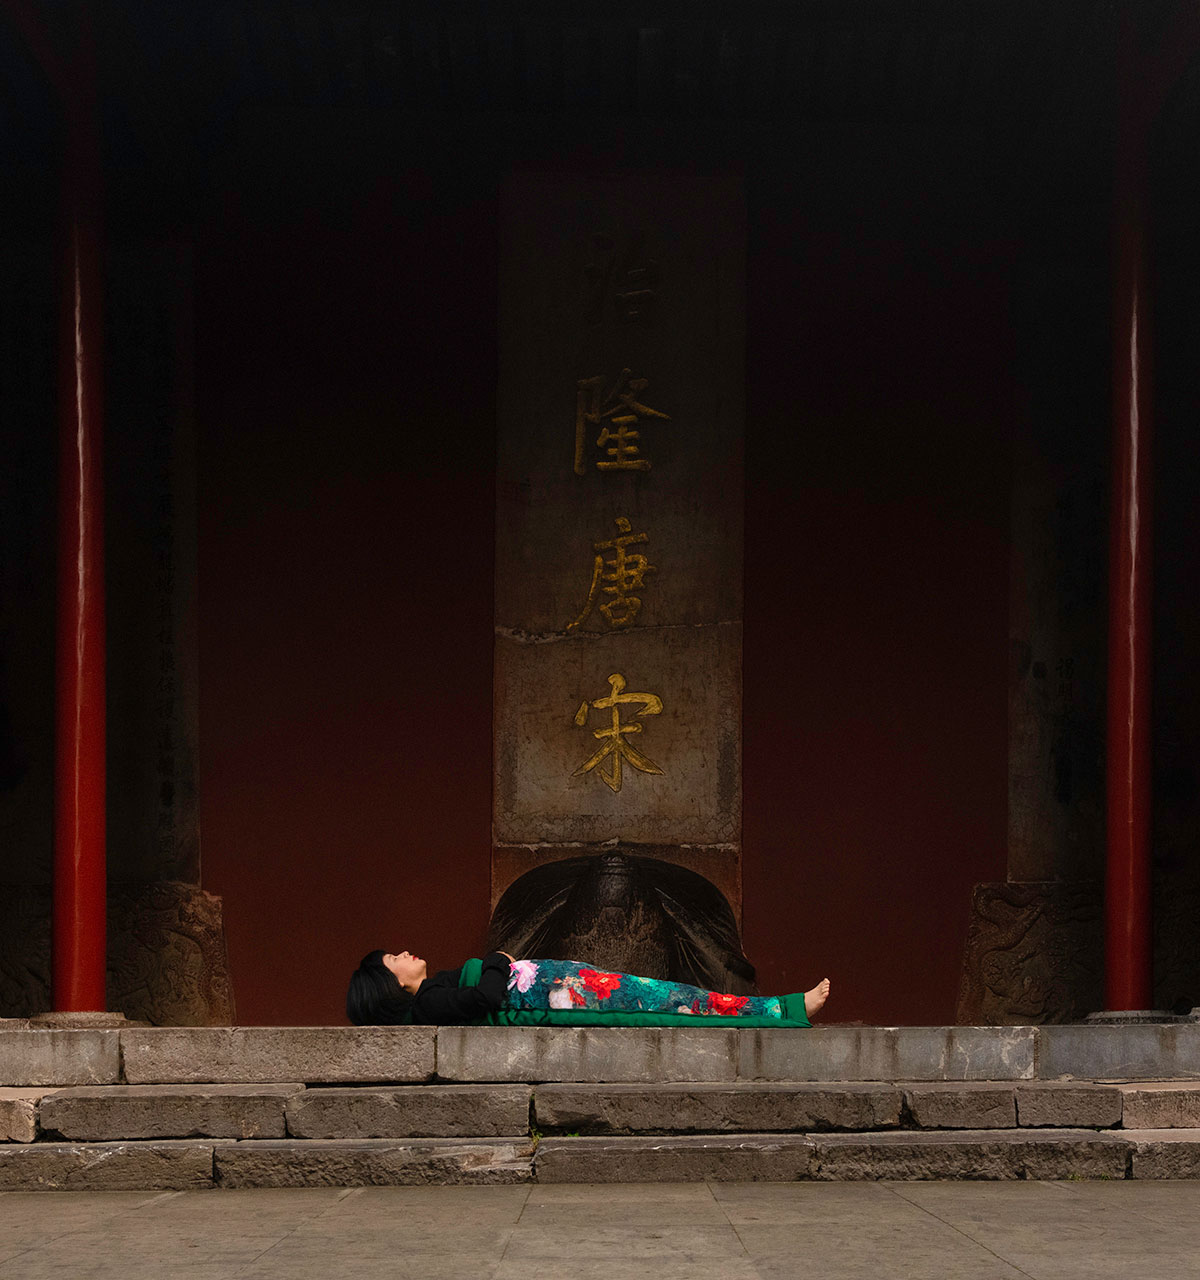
<point x="346" y="366"/>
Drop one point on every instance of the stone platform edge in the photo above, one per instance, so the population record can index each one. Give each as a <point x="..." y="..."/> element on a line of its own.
<point x="989" y="1155"/>
<point x="332" y="1055"/>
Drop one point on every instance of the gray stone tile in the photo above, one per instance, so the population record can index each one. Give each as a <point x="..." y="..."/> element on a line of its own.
<point x="1061" y="1105"/>
<point x="607" y="1235"/>
<point x="120" y="1112"/>
<point x="1057" y="1230"/>
<point x="834" y="1204"/>
<point x="943" y="1105"/>
<point x="621" y="1267"/>
<point x="666" y="1193"/>
<point x="883" y="1260"/>
<point x="253" y="1055"/>
<point x="273" y="1207"/>
<point x="600" y="1054"/>
<point x="299" y="1162"/>
<point x="1137" y="1052"/>
<point x="394" y="1239"/>
<point x="32" y="1058"/>
<point x="100" y="1267"/>
<point x="410" y="1111"/>
<point x="771" y="1157"/>
<point x="391" y="1267"/>
<point x="918" y="1241"/>
<point x="742" y="1106"/>
<point x="424" y="1206"/>
<point x="887" y="1053"/>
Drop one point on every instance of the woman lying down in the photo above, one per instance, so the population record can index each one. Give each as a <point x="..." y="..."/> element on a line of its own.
<point x="393" y="988"/>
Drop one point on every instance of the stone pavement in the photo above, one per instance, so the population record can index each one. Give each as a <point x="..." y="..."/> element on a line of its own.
<point x="670" y="1231"/>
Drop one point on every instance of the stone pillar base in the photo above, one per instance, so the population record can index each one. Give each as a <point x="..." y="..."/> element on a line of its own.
<point x="1034" y="954"/>
<point x="167" y="963"/>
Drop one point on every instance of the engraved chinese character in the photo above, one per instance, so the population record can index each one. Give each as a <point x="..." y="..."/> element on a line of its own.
<point x="629" y="282"/>
<point x="617" y="576"/>
<point x="615" y="414"/>
<point x="615" y="748"/>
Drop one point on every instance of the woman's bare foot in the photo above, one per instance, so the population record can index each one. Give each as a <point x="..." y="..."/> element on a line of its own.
<point x="814" y="1000"/>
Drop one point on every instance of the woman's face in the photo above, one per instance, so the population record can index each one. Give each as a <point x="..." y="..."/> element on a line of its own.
<point x="409" y="969"/>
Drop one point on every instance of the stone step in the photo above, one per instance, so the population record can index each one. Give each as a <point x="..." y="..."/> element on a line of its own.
<point x="42" y="1058"/>
<point x="835" y="1157"/>
<point x="108" y="1113"/>
<point x="188" y="1165"/>
<point x="891" y="1155"/>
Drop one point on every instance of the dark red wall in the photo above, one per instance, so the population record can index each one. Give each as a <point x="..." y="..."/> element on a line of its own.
<point x="346" y="375"/>
<point x="875" y="623"/>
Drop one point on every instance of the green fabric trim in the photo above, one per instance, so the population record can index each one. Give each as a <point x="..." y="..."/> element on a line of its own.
<point x="472" y="971"/>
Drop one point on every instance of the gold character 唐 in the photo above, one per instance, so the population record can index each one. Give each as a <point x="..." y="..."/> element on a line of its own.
<point x="616" y="577"/>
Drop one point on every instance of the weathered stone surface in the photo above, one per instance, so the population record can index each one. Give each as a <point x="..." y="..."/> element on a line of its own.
<point x="1164" y="1104"/>
<point x="167" y="961"/>
<point x="1068" y="1106"/>
<point x="1033" y="954"/>
<point x="961" y="1106"/>
<point x="411" y="1111"/>
<point x="254" y="1055"/>
<point x="31" y="1058"/>
<point x="714" y="1108"/>
<point x="983" y="1154"/>
<point x="609" y="1054"/>
<point x="1165" y="1153"/>
<point x="106" y="1166"/>
<point x="377" y="1162"/>
<point x="118" y="1112"/>
<point x="695" y="741"/>
<point x="19" y="1114"/>
<point x="166" y="953"/>
<point x="1146" y="1051"/>
<point x="887" y="1053"/>
<point x="759" y="1157"/>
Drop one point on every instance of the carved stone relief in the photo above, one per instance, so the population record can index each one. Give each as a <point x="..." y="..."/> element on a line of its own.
<point x="167" y="962"/>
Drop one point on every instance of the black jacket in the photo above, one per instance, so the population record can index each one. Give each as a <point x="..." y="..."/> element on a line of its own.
<point x="441" y="1001"/>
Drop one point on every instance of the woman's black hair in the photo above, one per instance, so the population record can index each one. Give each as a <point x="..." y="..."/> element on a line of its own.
<point x="375" y="997"/>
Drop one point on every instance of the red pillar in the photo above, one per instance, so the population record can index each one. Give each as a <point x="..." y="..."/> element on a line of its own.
<point x="1128" y="937"/>
<point x="79" y="929"/>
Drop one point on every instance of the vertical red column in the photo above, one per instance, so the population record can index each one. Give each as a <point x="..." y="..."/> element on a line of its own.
<point x="78" y="961"/>
<point x="1128" y="935"/>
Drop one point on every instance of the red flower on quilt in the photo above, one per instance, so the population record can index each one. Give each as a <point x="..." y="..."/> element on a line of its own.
<point x="576" y="998"/>
<point x="603" y="984"/>
<point x="718" y="1003"/>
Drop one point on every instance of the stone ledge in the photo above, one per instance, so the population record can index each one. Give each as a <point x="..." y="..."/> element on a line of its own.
<point x="1162" y="1104"/>
<point x="19" y="1114"/>
<point x="888" y="1053"/>
<point x="587" y="1054"/>
<point x="373" y="1163"/>
<point x="1145" y="1051"/>
<point x="970" y="1154"/>
<point x="107" y="1166"/>
<point x="411" y="1111"/>
<point x="32" y="1058"/>
<point x="1056" y="1105"/>
<point x="265" y="1055"/>
<point x="760" y="1157"/>
<point x="140" y="1111"/>
<point x="1165" y="1153"/>
<point x="943" y="1105"/>
<point x="715" y="1108"/>
<point x="713" y="1054"/>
